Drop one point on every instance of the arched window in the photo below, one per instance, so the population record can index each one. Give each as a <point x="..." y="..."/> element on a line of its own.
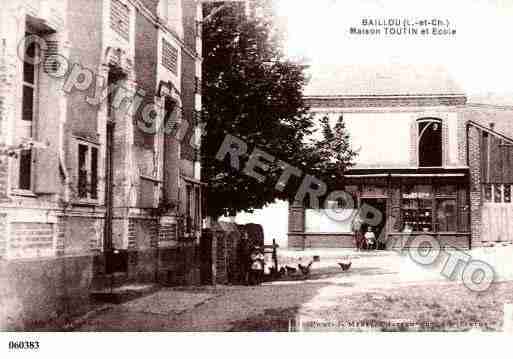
<point x="430" y="142"/>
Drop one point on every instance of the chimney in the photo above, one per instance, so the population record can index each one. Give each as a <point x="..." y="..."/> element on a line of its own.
<point x="492" y="125"/>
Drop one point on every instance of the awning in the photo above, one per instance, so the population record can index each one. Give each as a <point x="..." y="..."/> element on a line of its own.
<point x="407" y="172"/>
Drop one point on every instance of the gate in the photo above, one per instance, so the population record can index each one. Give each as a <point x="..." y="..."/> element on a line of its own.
<point x="497" y="213"/>
<point x="497" y="222"/>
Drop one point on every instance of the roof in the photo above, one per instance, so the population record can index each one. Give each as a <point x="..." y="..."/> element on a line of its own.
<point x="380" y="80"/>
<point x="492" y="99"/>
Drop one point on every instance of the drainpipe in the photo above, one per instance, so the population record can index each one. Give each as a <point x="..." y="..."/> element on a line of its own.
<point x="488" y="149"/>
<point x="66" y="175"/>
<point x="467" y="129"/>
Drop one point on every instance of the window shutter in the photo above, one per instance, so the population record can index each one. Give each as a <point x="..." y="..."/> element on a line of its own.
<point x="52" y="50"/>
<point x="120" y="18"/>
<point x="47" y="180"/>
<point x="169" y="57"/>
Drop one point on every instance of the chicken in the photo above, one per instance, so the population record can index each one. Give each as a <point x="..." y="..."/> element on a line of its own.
<point x="290" y="270"/>
<point x="345" y="266"/>
<point x="305" y="269"/>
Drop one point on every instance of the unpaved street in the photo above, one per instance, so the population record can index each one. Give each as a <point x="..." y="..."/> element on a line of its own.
<point x="380" y="292"/>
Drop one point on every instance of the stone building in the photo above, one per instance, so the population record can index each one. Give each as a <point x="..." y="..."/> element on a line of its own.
<point x="429" y="162"/>
<point x="100" y="173"/>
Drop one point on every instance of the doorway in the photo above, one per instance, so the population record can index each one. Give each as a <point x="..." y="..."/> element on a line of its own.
<point x="379" y="229"/>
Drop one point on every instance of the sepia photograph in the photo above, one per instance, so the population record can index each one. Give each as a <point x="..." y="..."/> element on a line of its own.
<point x="243" y="166"/>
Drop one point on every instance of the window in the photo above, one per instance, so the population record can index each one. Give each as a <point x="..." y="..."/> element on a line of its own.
<point x="188" y="209"/>
<point x="24" y="128"/>
<point x="430" y="142"/>
<point x="169" y="57"/>
<point x="335" y="219"/>
<point x="25" y="169"/>
<point x="94" y="173"/>
<point x="446" y="215"/>
<point x="497" y="192"/>
<point x="197" y="205"/>
<point x="437" y="207"/>
<point x="417" y="211"/>
<point x="87" y="172"/>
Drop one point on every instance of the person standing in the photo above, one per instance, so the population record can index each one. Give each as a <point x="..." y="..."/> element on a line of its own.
<point x="257" y="267"/>
<point x="370" y="238"/>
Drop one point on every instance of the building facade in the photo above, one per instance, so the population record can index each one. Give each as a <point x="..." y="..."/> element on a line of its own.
<point x="428" y="162"/>
<point x="100" y="176"/>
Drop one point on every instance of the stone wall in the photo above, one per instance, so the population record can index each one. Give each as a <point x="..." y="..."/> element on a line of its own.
<point x="34" y="291"/>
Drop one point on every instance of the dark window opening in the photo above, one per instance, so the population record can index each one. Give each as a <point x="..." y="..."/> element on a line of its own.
<point x="29" y="67"/>
<point x="82" y="171"/>
<point x="28" y="103"/>
<point x="430" y="143"/>
<point x="188" y="209"/>
<point x="197" y="214"/>
<point x="87" y="172"/>
<point x="94" y="173"/>
<point x="29" y="92"/>
<point x="25" y="169"/>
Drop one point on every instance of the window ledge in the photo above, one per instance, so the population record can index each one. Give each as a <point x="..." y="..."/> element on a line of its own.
<point x="428" y="233"/>
<point x="322" y="233"/>
<point x="86" y="202"/>
<point x="152" y="179"/>
<point x="22" y="192"/>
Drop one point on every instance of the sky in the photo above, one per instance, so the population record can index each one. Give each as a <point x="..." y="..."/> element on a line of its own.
<point x="478" y="57"/>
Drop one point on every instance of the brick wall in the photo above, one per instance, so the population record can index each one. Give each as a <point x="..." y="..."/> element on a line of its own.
<point x="445" y="142"/>
<point x="3" y="242"/>
<point x="413" y="143"/>
<point x="222" y="260"/>
<point x="189" y="23"/>
<point x="188" y="89"/>
<point x="146" y="60"/>
<point x="143" y="233"/>
<point x="329" y="241"/>
<point x="474" y="157"/>
<point x="168" y="232"/>
<point x="296" y="226"/>
<point x="85" y="50"/>
<point x="38" y="290"/>
<point x="82" y="235"/>
<point x="384" y="102"/>
<point x="151" y="5"/>
<point x="61" y="235"/>
<point x="31" y="239"/>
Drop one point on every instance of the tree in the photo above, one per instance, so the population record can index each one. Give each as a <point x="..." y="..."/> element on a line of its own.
<point x="252" y="91"/>
<point x="333" y="151"/>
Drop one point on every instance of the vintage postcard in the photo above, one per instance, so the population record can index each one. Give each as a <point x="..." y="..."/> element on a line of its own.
<point x="255" y="166"/>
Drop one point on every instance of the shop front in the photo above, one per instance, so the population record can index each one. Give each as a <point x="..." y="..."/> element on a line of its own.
<point x="430" y="203"/>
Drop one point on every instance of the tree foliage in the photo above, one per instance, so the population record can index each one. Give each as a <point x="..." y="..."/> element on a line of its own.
<point x="252" y="91"/>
